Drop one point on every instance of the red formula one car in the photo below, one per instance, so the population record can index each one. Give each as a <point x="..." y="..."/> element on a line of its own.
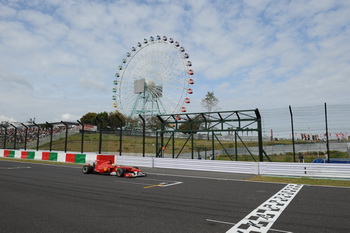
<point x="108" y="167"/>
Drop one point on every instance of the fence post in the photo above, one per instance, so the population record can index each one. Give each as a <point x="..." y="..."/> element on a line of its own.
<point x="37" y="136"/>
<point x="5" y="135"/>
<point x="293" y="140"/>
<point x="327" y="142"/>
<point x="100" y="141"/>
<point x="15" y="138"/>
<point x="66" y="139"/>
<point x="82" y="136"/>
<point x="161" y="137"/>
<point x="258" y="116"/>
<point x="143" y="135"/>
<point x="157" y="152"/>
<point x="26" y="136"/>
<point x="212" y="145"/>
<point x="120" y="135"/>
<point x="51" y="129"/>
<point x="236" y="149"/>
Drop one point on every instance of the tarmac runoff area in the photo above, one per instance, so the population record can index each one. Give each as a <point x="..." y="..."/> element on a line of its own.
<point x="59" y="198"/>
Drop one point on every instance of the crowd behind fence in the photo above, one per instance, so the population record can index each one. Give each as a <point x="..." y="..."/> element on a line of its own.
<point x="309" y="122"/>
<point x="31" y="134"/>
<point x="17" y="137"/>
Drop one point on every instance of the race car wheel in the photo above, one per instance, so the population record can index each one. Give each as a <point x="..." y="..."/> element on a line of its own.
<point x="120" y="172"/>
<point x="87" y="169"/>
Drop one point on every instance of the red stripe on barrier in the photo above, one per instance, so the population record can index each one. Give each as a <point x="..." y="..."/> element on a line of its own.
<point x="70" y="158"/>
<point x="24" y="154"/>
<point x="45" y="156"/>
<point x="6" y="153"/>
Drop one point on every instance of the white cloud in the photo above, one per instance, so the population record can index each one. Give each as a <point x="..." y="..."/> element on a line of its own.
<point x="59" y="57"/>
<point x="69" y="117"/>
<point x="7" y="119"/>
<point x="6" y="11"/>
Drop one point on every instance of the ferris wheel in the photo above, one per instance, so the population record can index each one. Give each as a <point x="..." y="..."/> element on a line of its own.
<point x="155" y="77"/>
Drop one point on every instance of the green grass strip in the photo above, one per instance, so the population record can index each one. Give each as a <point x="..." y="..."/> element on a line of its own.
<point x="303" y="180"/>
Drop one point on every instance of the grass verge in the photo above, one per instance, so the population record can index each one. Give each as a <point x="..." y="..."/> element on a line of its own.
<point x="302" y="180"/>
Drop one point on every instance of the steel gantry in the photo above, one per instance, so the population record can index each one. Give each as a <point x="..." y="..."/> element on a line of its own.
<point x="210" y="123"/>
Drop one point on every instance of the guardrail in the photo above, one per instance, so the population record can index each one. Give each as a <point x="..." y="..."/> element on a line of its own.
<point x="325" y="170"/>
<point x="319" y="170"/>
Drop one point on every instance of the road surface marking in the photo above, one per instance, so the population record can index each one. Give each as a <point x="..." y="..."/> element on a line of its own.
<point x="11" y="168"/>
<point x="262" y="218"/>
<point x="131" y="182"/>
<point x="167" y="185"/>
<point x="163" y="184"/>
<point x="157" y="185"/>
<point x="231" y="223"/>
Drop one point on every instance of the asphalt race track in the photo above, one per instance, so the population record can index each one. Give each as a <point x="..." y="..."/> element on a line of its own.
<point x="37" y="198"/>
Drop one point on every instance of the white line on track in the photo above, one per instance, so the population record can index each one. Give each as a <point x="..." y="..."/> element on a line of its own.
<point x="262" y="218"/>
<point x="163" y="183"/>
<point x="128" y="182"/>
<point x="167" y="185"/>
<point x="12" y="168"/>
<point x="160" y="180"/>
<point x="217" y="221"/>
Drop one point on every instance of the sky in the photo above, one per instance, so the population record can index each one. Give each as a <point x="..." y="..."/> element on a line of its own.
<point x="58" y="58"/>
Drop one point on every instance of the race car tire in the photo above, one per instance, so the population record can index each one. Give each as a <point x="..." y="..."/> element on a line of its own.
<point x="88" y="169"/>
<point x="120" y="172"/>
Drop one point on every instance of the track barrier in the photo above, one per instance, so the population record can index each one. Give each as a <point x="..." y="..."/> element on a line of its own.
<point x="317" y="170"/>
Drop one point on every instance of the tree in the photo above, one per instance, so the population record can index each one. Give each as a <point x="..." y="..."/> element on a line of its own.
<point x="88" y="118"/>
<point x="132" y="123"/>
<point x="210" y="102"/>
<point x="195" y="122"/>
<point x="103" y="116"/>
<point x="153" y="123"/>
<point x="114" y="121"/>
